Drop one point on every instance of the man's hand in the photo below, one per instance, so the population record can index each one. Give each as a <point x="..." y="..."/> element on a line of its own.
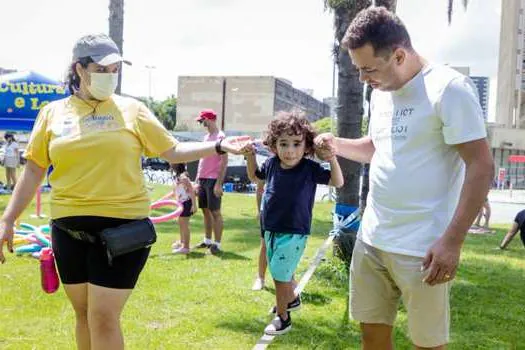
<point x="325" y="140"/>
<point x="217" y="190"/>
<point x="441" y="262"/>
<point x="324" y="146"/>
<point x="6" y="235"/>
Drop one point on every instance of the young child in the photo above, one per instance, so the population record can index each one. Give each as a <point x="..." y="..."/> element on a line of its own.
<point x="184" y="193"/>
<point x="286" y="216"/>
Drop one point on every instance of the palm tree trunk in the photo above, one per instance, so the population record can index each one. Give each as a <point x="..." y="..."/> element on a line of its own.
<point x="349" y="117"/>
<point x="349" y="114"/>
<point x="116" y="29"/>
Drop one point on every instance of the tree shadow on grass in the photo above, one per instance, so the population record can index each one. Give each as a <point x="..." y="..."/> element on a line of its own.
<point x="225" y="255"/>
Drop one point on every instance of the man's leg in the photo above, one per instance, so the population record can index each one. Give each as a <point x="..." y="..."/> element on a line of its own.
<point x="376" y="336"/>
<point x="208" y="223"/>
<point x="374" y="297"/>
<point x="218" y="225"/>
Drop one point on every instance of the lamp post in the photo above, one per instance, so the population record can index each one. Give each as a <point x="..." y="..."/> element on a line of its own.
<point x="149" y="68"/>
<point x="333" y="112"/>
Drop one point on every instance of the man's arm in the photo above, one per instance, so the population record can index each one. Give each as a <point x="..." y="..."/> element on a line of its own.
<point x="478" y="179"/>
<point x="359" y="150"/>
<point x="509" y="236"/>
<point x="443" y="257"/>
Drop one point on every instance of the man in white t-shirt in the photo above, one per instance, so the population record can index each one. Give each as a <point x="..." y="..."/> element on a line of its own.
<point x="430" y="172"/>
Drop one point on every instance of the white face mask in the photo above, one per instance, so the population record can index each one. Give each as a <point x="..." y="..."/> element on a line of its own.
<point x="102" y="85"/>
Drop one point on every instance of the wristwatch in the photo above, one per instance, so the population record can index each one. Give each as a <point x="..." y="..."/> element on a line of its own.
<point x="218" y="147"/>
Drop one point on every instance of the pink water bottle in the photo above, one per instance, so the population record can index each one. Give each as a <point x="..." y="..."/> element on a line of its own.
<point x="48" y="272"/>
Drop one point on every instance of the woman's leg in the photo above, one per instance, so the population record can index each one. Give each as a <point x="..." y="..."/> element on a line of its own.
<point x="77" y="294"/>
<point x="105" y="306"/>
<point x="184" y="226"/>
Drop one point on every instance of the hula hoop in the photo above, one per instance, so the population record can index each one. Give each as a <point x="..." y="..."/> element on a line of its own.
<point x="165" y="197"/>
<point x="173" y="215"/>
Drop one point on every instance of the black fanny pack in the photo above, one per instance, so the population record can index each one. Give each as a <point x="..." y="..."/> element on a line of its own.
<point x="127" y="238"/>
<point x="118" y="240"/>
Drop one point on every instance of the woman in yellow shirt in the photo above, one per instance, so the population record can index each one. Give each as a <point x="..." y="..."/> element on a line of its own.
<point x="94" y="140"/>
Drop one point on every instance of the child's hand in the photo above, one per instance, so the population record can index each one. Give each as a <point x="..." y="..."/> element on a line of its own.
<point x="248" y="148"/>
<point x="325" y="153"/>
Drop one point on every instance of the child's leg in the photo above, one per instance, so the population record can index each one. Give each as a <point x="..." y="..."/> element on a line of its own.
<point x="184" y="225"/>
<point x="286" y="251"/>
<point x="262" y="260"/>
<point x="283" y="295"/>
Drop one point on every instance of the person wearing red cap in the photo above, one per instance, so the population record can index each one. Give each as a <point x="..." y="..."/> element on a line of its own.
<point x="210" y="176"/>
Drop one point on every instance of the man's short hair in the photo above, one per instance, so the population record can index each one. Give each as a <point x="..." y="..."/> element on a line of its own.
<point x="378" y="27"/>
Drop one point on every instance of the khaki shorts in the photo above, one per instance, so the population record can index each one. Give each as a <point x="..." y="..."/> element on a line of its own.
<point x="378" y="280"/>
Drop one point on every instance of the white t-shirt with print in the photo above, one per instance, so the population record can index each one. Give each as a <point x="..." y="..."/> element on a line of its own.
<point x="416" y="173"/>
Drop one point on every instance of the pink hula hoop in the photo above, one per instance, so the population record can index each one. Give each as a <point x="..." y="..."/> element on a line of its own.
<point x="173" y="215"/>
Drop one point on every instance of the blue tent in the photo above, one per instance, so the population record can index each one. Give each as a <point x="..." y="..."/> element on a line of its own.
<point x="22" y="94"/>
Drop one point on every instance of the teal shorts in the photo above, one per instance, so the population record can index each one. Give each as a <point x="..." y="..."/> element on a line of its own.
<point x="284" y="251"/>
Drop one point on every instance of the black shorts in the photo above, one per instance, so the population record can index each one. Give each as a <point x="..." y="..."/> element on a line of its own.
<point x="186" y="211"/>
<point x="208" y="199"/>
<point x="84" y="262"/>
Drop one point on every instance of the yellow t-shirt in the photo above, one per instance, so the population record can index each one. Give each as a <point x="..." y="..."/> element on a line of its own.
<point x="95" y="149"/>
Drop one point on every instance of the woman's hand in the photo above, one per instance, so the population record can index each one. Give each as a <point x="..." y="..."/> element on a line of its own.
<point x="237" y="144"/>
<point x="6" y="235"/>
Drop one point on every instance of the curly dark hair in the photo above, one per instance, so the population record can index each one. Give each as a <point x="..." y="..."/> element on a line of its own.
<point x="378" y="27"/>
<point x="290" y="123"/>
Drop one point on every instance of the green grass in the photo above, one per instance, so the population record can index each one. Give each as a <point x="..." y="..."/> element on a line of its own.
<point x="205" y="302"/>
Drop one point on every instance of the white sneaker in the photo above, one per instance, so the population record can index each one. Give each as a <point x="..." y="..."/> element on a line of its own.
<point x="180" y="250"/>
<point x="258" y="284"/>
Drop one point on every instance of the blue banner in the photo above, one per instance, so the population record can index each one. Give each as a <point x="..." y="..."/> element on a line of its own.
<point x="22" y="95"/>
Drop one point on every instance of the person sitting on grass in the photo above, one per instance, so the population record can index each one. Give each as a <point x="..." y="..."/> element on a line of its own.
<point x="517" y="225"/>
<point x="286" y="216"/>
<point x="184" y="193"/>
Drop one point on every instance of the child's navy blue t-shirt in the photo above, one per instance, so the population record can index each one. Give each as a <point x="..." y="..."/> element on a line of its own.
<point x="289" y="195"/>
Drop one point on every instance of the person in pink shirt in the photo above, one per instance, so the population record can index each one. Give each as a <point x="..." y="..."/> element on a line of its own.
<point x="210" y="177"/>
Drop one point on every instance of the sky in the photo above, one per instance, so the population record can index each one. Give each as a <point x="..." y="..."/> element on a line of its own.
<point x="291" y="39"/>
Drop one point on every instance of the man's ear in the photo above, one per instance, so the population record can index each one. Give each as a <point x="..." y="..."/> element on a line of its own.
<point x="399" y="56"/>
